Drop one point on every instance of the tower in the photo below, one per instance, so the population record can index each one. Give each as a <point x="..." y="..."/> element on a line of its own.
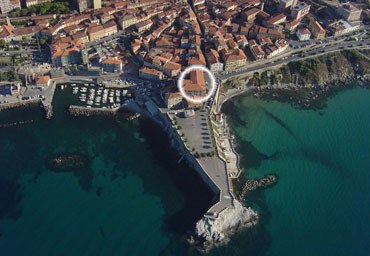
<point x="96" y="4"/>
<point x="5" y="6"/>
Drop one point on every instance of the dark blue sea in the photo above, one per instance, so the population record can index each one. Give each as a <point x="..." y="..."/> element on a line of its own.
<point x="135" y="199"/>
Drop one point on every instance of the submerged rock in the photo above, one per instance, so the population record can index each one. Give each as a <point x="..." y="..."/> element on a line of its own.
<point x="76" y="163"/>
<point x="68" y="162"/>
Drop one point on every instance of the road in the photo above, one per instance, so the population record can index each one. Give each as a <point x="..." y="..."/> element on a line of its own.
<point x="107" y="39"/>
<point x="307" y="52"/>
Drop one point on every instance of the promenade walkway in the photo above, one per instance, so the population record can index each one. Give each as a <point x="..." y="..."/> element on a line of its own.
<point x="215" y="168"/>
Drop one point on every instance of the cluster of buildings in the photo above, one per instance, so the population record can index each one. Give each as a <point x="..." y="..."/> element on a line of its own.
<point x="169" y="35"/>
<point x="7" y="6"/>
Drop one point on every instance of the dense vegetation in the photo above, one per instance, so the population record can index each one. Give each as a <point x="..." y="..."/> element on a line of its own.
<point x="318" y="70"/>
<point x="45" y="8"/>
<point x="9" y="76"/>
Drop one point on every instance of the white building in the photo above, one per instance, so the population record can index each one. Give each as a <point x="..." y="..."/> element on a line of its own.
<point x="303" y="34"/>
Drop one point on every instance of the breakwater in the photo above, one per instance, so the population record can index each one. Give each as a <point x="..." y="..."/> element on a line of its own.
<point x="251" y="185"/>
<point x="84" y="111"/>
<point x="227" y="215"/>
<point x="5" y="106"/>
<point x="15" y="123"/>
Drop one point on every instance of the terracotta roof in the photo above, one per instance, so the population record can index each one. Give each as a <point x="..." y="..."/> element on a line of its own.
<point x="172" y="65"/>
<point x="304" y="31"/>
<point x="26" y="30"/>
<point x="196" y="82"/>
<point x="197" y="77"/>
<point x="112" y="60"/>
<point x="151" y="71"/>
<point x="173" y="95"/>
<point x="236" y="55"/>
<point x="279" y="18"/>
<point x="42" y="79"/>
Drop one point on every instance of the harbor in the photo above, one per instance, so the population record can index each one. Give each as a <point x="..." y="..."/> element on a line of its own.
<point x="95" y="96"/>
<point x="202" y="140"/>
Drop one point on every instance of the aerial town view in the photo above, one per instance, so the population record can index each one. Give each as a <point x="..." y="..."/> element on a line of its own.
<point x="184" y="127"/>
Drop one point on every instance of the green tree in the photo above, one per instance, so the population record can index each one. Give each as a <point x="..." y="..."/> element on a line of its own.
<point x="25" y="40"/>
<point x="12" y="76"/>
<point x="3" y="76"/>
<point x="2" y="43"/>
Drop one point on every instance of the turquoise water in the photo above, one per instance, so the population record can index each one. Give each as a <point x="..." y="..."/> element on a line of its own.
<point x="135" y="199"/>
<point x="320" y="205"/>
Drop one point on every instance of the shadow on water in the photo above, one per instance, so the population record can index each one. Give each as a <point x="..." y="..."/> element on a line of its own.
<point x="10" y="198"/>
<point x="280" y="122"/>
<point x="250" y="157"/>
<point x="13" y="155"/>
<point x="229" y="108"/>
<point x="314" y="155"/>
<point x="255" y="157"/>
<point x="198" y="198"/>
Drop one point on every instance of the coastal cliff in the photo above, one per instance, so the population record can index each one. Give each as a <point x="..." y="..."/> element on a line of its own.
<point x="340" y="67"/>
<point x="305" y="83"/>
<point x="333" y="68"/>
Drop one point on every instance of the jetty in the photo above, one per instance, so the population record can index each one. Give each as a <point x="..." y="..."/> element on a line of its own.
<point x="204" y="142"/>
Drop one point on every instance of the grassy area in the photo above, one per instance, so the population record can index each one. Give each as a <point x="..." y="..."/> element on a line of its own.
<point x="5" y="60"/>
<point x="57" y="7"/>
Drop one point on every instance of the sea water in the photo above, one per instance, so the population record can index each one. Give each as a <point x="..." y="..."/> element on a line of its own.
<point x="135" y="199"/>
<point x="320" y="205"/>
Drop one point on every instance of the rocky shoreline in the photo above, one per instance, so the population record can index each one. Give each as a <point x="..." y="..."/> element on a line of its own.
<point x="210" y="232"/>
<point x="312" y="97"/>
<point x="19" y="104"/>
<point x="48" y="111"/>
<point x="305" y="84"/>
<point x="307" y="91"/>
<point x="265" y="182"/>
<point x="83" y="111"/>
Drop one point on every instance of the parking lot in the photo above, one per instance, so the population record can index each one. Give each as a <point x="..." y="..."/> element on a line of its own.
<point x="196" y="131"/>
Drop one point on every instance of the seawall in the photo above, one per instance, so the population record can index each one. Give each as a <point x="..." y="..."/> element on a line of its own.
<point x="5" y="106"/>
<point x="83" y="111"/>
<point x="227" y="215"/>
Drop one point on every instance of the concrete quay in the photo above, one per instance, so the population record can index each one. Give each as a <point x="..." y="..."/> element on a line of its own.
<point x="212" y="169"/>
